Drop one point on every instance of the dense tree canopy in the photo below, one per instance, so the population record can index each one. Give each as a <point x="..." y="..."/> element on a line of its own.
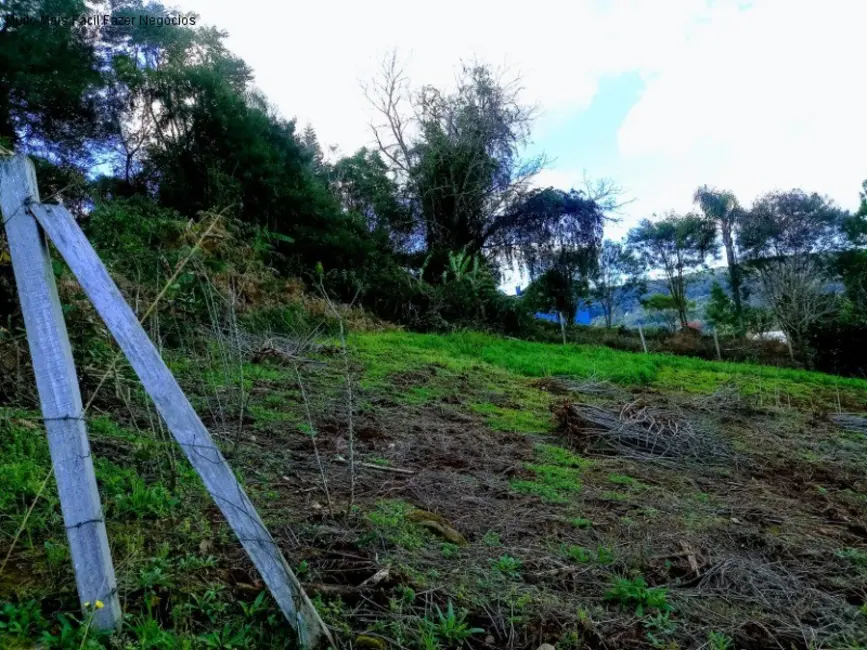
<point x="49" y="79"/>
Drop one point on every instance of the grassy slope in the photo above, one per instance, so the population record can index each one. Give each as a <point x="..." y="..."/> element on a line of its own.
<point x="530" y="535"/>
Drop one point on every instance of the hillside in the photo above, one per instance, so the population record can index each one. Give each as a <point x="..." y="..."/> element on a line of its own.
<point x="440" y="467"/>
<point x="508" y="494"/>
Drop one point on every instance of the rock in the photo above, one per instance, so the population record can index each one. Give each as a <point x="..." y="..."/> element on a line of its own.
<point x="546" y="646"/>
<point x="490" y="640"/>
<point x="370" y="642"/>
<point x="437" y="524"/>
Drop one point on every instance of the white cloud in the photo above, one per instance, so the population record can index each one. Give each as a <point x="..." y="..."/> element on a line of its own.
<point x="309" y="58"/>
<point x="759" y="99"/>
<point x="746" y="96"/>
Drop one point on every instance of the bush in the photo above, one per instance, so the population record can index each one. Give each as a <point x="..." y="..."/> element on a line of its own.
<point x="837" y="346"/>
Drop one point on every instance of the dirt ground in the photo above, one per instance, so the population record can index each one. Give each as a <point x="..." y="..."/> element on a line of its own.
<point x="489" y="510"/>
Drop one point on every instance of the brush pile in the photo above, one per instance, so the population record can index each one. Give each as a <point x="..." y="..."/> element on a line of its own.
<point x="639" y="430"/>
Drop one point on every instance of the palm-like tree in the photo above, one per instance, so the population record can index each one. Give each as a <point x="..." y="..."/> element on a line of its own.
<point x="722" y="207"/>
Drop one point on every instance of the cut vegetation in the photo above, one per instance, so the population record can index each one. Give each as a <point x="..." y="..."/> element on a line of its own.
<point x="508" y="494"/>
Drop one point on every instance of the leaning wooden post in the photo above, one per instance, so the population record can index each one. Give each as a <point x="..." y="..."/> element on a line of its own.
<point x="643" y="342"/>
<point x="57" y="383"/>
<point x="184" y="423"/>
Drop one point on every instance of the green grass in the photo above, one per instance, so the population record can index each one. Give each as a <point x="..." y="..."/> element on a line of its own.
<point x="386" y="353"/>
<point x="556" y="478"/>
<point x="389" y="521"/>
<point x="166" y="545"/>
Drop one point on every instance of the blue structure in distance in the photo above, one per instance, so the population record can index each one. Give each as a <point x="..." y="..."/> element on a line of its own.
<point x="582" y="314"/>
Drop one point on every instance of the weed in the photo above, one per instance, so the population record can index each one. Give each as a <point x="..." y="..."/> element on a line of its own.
<point x="553" y="483"/>
<point x="604" y="555"/>
<point x="719" y="641"/>
<point x="145" y="501"/>
<point x="856" y="556"/>
<point x="657" y="626"/>
<point x="580" y="522"/>
<point x="507" y="565"/>
<point x="492" y="539"/>
<point x="578" y="554"/>
<point x="450" y="627"/>
<point x="635" y="592"/>
<point x="628" y="481"/>
<point x="21" y="620"/>
<point x="459" y="351"/>
<point x="449" y="550"/>
<point x="553" y="455"/>
<point x="389" y="519"/>
<point x="514" y="420"/>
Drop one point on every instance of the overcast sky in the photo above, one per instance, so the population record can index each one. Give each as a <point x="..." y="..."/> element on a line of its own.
<point x="659" y="95"/>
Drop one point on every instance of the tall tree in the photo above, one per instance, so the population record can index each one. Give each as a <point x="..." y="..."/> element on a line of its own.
<point x="364" y="186"/>
<point x="676" y="245"/>
<point x="620" y="276"/>
<point x="458" y="158"/>
<point x="786" y="238"/>
<point x="721" y="207"/>
<point x="194" y="133"/>
<point x="49" y="78"/>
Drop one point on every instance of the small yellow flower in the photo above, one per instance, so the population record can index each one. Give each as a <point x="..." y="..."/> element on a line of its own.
<point x="100" y="604"/>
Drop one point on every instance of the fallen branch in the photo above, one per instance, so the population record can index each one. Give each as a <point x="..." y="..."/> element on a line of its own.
<point x="381" y="468"/>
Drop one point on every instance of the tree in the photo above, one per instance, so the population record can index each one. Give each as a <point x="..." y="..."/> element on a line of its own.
<point x="721" y="310"/>
<point x="722" y="208"/>
<point x="676" y="245"/>
<point x="619" y="277"/>
<point x="786" y="237"/>
<point x="663" y="308"/>
<point x="364" y="186"/>
<point x="457" y="157"/>
<point x="556" y="291"/>
<point x="851" y="263"/>
<point x="49" y="79"/>
<point x="193" y="133"/>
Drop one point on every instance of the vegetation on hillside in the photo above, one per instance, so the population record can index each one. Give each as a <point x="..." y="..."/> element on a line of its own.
<point x="441" y="468"/>
<point x="487" y="513"/>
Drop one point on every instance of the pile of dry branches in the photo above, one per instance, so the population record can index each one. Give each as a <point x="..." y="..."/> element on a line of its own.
<point x="854" y="422"/>
<point x="640" y="430"/>
<point x="796" y="611"/>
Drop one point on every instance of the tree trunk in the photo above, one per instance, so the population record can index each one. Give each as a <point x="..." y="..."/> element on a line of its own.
<point x="562" y="326"/>
<point x="734" y="277"/>
<point x="791" y="349"/>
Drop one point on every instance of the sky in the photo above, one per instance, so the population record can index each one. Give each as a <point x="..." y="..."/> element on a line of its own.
<point x="658" y="96"/>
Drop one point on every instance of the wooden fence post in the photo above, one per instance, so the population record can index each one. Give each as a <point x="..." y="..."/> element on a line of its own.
<point x="643" y="342"/>
<point x="716" y="343"/>
<point x="184" y="423"/>
<point x="59" y="395"/>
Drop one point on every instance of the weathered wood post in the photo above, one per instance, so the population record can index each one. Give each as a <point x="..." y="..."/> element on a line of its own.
<point x="57" y="383"/>
<point x="643" y="342"/>
<point x="184" y="423"/>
